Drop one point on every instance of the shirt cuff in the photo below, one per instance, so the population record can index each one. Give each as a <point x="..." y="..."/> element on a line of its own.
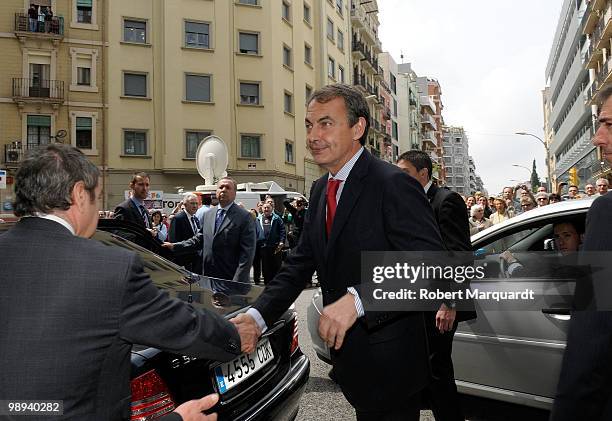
<point x="256" y="315"/>
<point x="358" y="304"/>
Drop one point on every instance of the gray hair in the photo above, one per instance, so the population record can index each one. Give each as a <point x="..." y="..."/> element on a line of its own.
<point x="355" y="103"/>
<point x="188" y="197"/>
<point x="474" y="209"/>
<point x="47" y="176"/>
<point x="605" y="180"/>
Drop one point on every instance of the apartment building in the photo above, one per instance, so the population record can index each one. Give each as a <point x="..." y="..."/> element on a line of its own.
<point x="409" y="104"/>
<point x="568" y="91"/>
<point x="459" y="166"/>
<point x="390" y="112"/>
<point x="51" y="79"/>
<point x="241" y="70"/>
<point x="368" y="75"/>
<point x="596" y="25"/>
<point x="429" y="126"/>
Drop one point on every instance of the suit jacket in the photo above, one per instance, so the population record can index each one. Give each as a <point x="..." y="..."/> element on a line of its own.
<point x="449" y="211"/>
<point x="585" y="383"/>
<point x="384" y="357"/>
<point x="71" y="310"/>
<point x="228" y="253"/>
<point x="127" y="211"/>
<point x="181" y="230"/>
<point x="276" y="234"/>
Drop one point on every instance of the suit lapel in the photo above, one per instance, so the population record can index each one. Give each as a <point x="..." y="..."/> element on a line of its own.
<point x="431" y="193"/>
<point x="350" y="194"/>
<point x="226" y="219"/>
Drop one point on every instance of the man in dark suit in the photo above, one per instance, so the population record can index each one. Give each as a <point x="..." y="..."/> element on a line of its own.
<point x="72" y="307"/>
<point x="380" y="359"/>
<point x="185" y="225"/>
<point x="227" y="237"/>
<point x="133" y="209"/>
<point x="271" y="245"/>
<point x="585" y="383"/>
<point x="449" y="211"/>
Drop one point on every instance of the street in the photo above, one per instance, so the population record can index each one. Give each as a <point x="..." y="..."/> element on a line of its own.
<point x="323" y="399"/>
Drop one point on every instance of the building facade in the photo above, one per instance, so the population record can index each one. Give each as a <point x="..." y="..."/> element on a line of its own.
<point x="409" y="104"/>
<point x="459" y="166"/>
<point x="51" y="89"/>
<point x="390" y="112"/>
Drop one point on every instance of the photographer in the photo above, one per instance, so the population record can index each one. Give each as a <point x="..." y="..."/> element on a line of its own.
<point x="298" y="212"/>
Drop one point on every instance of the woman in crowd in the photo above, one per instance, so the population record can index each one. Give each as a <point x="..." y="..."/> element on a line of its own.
<point x="554" y="198"/>
<point x="527" y="203"/>
<point x="501" y="213"/>
<point x="484" y="202"/>
<point x="159" y="229"/>
<point x="469" y="202"/>
<point x="478" y="221"/>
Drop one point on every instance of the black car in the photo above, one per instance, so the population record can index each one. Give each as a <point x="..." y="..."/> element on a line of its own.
<point x="267" y="384"/>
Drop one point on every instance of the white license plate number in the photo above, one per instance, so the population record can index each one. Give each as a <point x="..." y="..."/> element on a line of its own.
<point x="229" y="375"/>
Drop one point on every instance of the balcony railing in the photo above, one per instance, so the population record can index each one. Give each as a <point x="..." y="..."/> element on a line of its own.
<point x="53" y="27"/>
<point x="13" y="153"/>
<point x="34" y="88"/>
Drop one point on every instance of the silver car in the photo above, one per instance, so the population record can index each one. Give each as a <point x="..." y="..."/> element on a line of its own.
<point x="512" y="356"/>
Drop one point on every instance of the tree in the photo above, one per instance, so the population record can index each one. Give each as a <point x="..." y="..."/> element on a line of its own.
<point x="535" y="180"/>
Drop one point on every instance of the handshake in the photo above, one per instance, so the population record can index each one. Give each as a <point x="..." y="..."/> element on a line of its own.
<point x="248" y="330"/>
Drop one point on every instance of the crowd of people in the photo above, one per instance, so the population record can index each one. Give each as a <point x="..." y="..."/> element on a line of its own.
<point x="41" y="19"/>
<point x="483" y="211"/>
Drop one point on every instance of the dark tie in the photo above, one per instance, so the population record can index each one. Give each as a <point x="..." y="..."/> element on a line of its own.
<point x="219" y="219"/>
<point x="332" y="190"/>
<point x="145" y="216"/>
<point x="195" y="223"/>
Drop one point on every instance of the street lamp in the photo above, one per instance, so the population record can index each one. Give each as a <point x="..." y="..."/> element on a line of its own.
<point x="549" y="180"/>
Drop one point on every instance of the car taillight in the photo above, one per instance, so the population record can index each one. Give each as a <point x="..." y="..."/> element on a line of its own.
<point x="295" y="343"/>
<point x="150" y="397"/>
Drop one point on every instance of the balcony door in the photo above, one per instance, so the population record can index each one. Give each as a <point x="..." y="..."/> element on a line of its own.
<point x="39" y="130"/>
<point x="39" y="80"/>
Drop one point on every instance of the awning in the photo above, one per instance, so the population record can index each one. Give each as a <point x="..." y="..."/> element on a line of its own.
<point x="83" y="123"/>
<point x="39" y="120"/>
<point x="84" y="3"/>
<point x="46" y="3"/>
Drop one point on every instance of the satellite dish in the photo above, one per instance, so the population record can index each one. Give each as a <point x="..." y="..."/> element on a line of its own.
<point x="212" y="159"/>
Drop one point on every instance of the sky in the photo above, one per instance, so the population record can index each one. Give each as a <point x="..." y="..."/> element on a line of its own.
<point x="489" y="57"/>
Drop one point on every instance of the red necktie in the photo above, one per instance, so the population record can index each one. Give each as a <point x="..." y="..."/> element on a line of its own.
<point x="332" y="190"/>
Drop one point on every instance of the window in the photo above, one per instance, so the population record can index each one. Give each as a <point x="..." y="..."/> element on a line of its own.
<point x="250" y="146"/>
<point x="340" y="40"/>
<point x="393" y="83"/>
<point x="248" y="43"/>
<point x="331" y="68"/>
<point x="307" y="54"/>
<point x="197" y="88"/>
<point x="135" y="84"/>
<point x="39" y="130"/>
<point x="83" y="133"/>
<point x="286" y="56"/>
<point x="135" y="31"/>
<point x="394" y="129"/>
<point x="289" y="152"/>
<point x="330" y="29"/>
<point x="307" y="16"/>
<point x="339" y="7"/>
<point x="308" y="92"/>
<point x="394" y="107"/>
<point x="340" y="74"/>
<point x="134" y="142"/>
<point x="83" y="76"/>
<point x="197" y="34"/>
<point x="84" y="11"/>
<point x="251" y="2"/>
<point x="249" y="93"/>
<point x="286" y="11"/>
<point x="192" y="141"/>
<point x="288" y="103"/>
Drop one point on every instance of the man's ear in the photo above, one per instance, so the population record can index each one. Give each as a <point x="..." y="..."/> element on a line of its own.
<point x="79" y="195"/>
<point x="359" y="128"/>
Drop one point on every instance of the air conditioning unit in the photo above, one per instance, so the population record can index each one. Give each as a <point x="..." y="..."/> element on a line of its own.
<point x="13" y="153"/>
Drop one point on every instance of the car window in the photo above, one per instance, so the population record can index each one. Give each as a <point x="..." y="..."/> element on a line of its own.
<point x="506" y="242"/>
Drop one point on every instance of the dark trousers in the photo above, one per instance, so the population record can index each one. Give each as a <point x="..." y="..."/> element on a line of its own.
<point x="442" y="392"/>
<point x="409" y="412"/>
<point x="257" y="265"/>
<point x="270" y="263"/>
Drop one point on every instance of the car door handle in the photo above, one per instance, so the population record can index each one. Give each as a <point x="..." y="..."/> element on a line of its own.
<point x="558" y="313"/>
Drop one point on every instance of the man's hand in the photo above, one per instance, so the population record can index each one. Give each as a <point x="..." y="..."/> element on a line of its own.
<point x="336" y="319"/>
<point x="248" y="330"/>
<point x="445" y="318"/>
<point x="192" y="410"/>
<point x="168" y="245"/>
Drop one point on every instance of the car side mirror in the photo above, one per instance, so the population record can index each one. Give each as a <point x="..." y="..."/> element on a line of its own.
<point x="549" y="245"/>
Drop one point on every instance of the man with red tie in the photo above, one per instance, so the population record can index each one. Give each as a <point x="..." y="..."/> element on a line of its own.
<point x="380" y="359"/>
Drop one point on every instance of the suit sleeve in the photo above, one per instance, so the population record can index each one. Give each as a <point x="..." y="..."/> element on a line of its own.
<point x="121" y="213"/>
<point x="172" y="232"/>
<point x="454" y="224"/>
<point x="150" y="317"/>
<point x="297" y="269"/>
<point x="194" y="243"/>
<point x="248" y="240"/>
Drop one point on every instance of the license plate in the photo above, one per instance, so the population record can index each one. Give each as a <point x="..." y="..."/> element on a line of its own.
<point x="230" y="374"/>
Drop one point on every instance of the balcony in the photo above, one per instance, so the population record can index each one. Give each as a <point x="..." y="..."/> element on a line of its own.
<point x="358" y="17"/>
<point x="51" y="29"/>
<point x="592" y="56"/>
<point x="603" y="76"/>
<point x="13" y="153"/>
<point x="589" y="19"/>
<point x="427" y="120"/>
<point x="604" y="29"/>
<point x="385" y="86"/>
<point x="359" y="80"/>
<point x="33" y="90"/>
<point x="358" y="49"/>
<point x="429" y="141"/>
<point x="386" y="113"/>
<point x="368" y="62"/>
